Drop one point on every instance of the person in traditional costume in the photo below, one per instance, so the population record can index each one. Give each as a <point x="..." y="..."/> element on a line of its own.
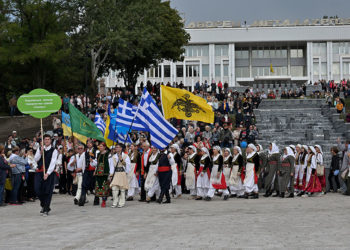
<point x="192" y="167"/>
<point x="319" y="162"/>
<point x="46" y="157"/>
<point x="135" y="160"/>
<point x="152" y="182"/>
<point x="235" y="181"/>
<point x="263" y="163"/>
<point x="250" y="173"/>
<point x="286" y="172"/>
<point x="88" y="177"/>
<point x="203" y="176"/>
<point x="120" y="166"/>
<point x="302" y="170"/>
<point x="217" y="178"/>
<point x="176" y="168"/>
<point x="79" y="160"/>
<point x="273" y="163"/>
<point x="164" y="175"/>
<point x="101" y="175"/>
<point x="297" y="166"/>
<point x="146" y="153"/>
<point x="312" y="183"/>
<point x="227" y="166"/>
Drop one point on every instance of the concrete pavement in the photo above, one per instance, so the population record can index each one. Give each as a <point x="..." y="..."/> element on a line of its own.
<point x="266" y="223"/>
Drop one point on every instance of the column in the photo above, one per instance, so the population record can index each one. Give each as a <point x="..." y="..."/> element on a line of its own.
<point x="231" y="65"/>
<point x="144" y="77"/>
<point x="174" y="72"/>
<point x="211" y="62"/>
<point x="329" y="60"/>
<point x="184" y="73"/>
<point x="162" y="72"/>
<point x="222" y="71"/>
<point x="288" y="59"/>
<point x="250" y="62"/>
<point x="200" y="72"/>
<point x="309" y="61"/>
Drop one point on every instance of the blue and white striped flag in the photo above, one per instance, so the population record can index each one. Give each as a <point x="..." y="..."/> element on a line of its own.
<point x="126" y="113"/>
<point x="121" y="138"/>
<point x="100" y="123"/>
<point x="162" y="132"/>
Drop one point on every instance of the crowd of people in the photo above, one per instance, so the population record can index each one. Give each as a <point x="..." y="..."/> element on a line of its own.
<point x="203" y="160"/>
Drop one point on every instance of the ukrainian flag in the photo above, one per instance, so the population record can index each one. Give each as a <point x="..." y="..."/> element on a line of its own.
<point x="111" y="135"/>
<point x="67" y="129"/>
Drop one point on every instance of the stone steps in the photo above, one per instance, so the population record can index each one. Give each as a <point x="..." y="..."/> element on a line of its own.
<point x="293" y="121"/>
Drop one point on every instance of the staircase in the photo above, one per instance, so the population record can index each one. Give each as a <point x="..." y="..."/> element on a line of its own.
<point x="297" y="121"/>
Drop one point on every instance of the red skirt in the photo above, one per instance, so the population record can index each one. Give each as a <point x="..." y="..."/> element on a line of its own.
<point x="322" y="180"/>
<point x="314" y="185"/>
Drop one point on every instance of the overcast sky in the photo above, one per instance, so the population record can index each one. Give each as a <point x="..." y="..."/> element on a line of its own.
<point x="251" y="10"/>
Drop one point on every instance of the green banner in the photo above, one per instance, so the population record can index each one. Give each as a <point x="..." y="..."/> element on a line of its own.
<point x="39" y="103"/>
<point x="82" y="125"/>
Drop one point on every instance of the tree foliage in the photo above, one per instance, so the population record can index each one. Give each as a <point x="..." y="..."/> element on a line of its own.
<point x="64" y="46"/>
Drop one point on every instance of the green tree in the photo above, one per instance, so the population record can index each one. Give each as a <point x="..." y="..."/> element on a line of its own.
<point x="155" y="32"/>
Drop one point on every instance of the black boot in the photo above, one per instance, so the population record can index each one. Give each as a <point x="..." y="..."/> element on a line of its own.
<point x="246" y="196"/>
<point x="160" y="199"/>
<point x="277" y="194"/>
<point x="301" y="193"/>
<point x="225" y="197"/>
<point x="76" y="201"/>
<point x="291" y="195"/>
<point x="268" y="193"/>
<point x="255" y="196"/>
<point x="282" y="195"/>
<point x="154" y="198"/>
<point x="167" y="197"/>
<point x="233" y="195"/>
<point x="96" y="201"/>
<point x="82" y="201"/>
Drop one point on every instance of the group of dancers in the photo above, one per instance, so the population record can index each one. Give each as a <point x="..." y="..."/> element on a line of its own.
<point x="128" y="171"/>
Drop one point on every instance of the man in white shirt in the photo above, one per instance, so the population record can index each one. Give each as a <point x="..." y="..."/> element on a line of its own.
<point x="144" y="168"/>
<point x="44" y="176"/>
<point x="119" y="167"/>
<point x="80" y="161"/>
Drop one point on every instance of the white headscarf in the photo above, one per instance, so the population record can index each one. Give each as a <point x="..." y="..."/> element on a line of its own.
<point x="305" y="147"/>
<point x="176" y="147"/>
<point x="319" y="147"/>
<point x="194" y="148"/>
<point x="238" y="149"/>
<point x="313" y="150"/>
<point x="205" y="151"/>
<point x="289" y="152"/>
<point x="260" y="148"/>
<point x="218" y="149"/>
<point x="229" y="153"/>
<point x="274" y="149"/>
<point x="252" y="146"/>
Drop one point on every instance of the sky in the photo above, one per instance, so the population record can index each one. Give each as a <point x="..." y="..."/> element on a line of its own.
<point x="251" y="10"/>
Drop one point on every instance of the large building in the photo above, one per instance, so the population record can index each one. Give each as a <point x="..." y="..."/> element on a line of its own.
<point x="264" y="52"/>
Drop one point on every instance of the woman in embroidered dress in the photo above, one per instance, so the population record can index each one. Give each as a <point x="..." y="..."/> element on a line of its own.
<point x="152" y="182"/>
<point x="101" y="175"/>
<point x="235" y="181"/>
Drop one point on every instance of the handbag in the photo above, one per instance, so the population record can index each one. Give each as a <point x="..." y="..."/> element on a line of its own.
<point x="8" y="184"/>
<point x="320" y="170"/>
<point x="344" y="175"/>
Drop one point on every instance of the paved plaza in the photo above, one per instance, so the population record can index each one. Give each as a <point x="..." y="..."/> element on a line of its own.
<point x="267" y="223"/>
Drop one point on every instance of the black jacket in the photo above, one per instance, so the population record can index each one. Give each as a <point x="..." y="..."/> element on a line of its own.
<point x="335" y="162"/>
<point x="3" y="168"/>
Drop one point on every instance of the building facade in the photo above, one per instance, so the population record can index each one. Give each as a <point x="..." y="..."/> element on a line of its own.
<point x="260" y="53"/>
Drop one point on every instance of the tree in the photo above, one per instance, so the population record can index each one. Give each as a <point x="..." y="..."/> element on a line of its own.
<point x="154" y="32"/>
<point x="96" y="28"/>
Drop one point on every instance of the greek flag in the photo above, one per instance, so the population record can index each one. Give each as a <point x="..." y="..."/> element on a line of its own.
<point x="126" y="113"/>
<point x="121" y="138"/>
<point x="100" y="123"/>
<point x="162" y="132"/>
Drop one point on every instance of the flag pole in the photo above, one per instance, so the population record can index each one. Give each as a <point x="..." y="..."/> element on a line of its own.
<point x="132" y="122"/>
<point x="42" y="141"/>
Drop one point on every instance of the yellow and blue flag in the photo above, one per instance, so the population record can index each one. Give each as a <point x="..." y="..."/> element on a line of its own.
<point x="67" y="129"/>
